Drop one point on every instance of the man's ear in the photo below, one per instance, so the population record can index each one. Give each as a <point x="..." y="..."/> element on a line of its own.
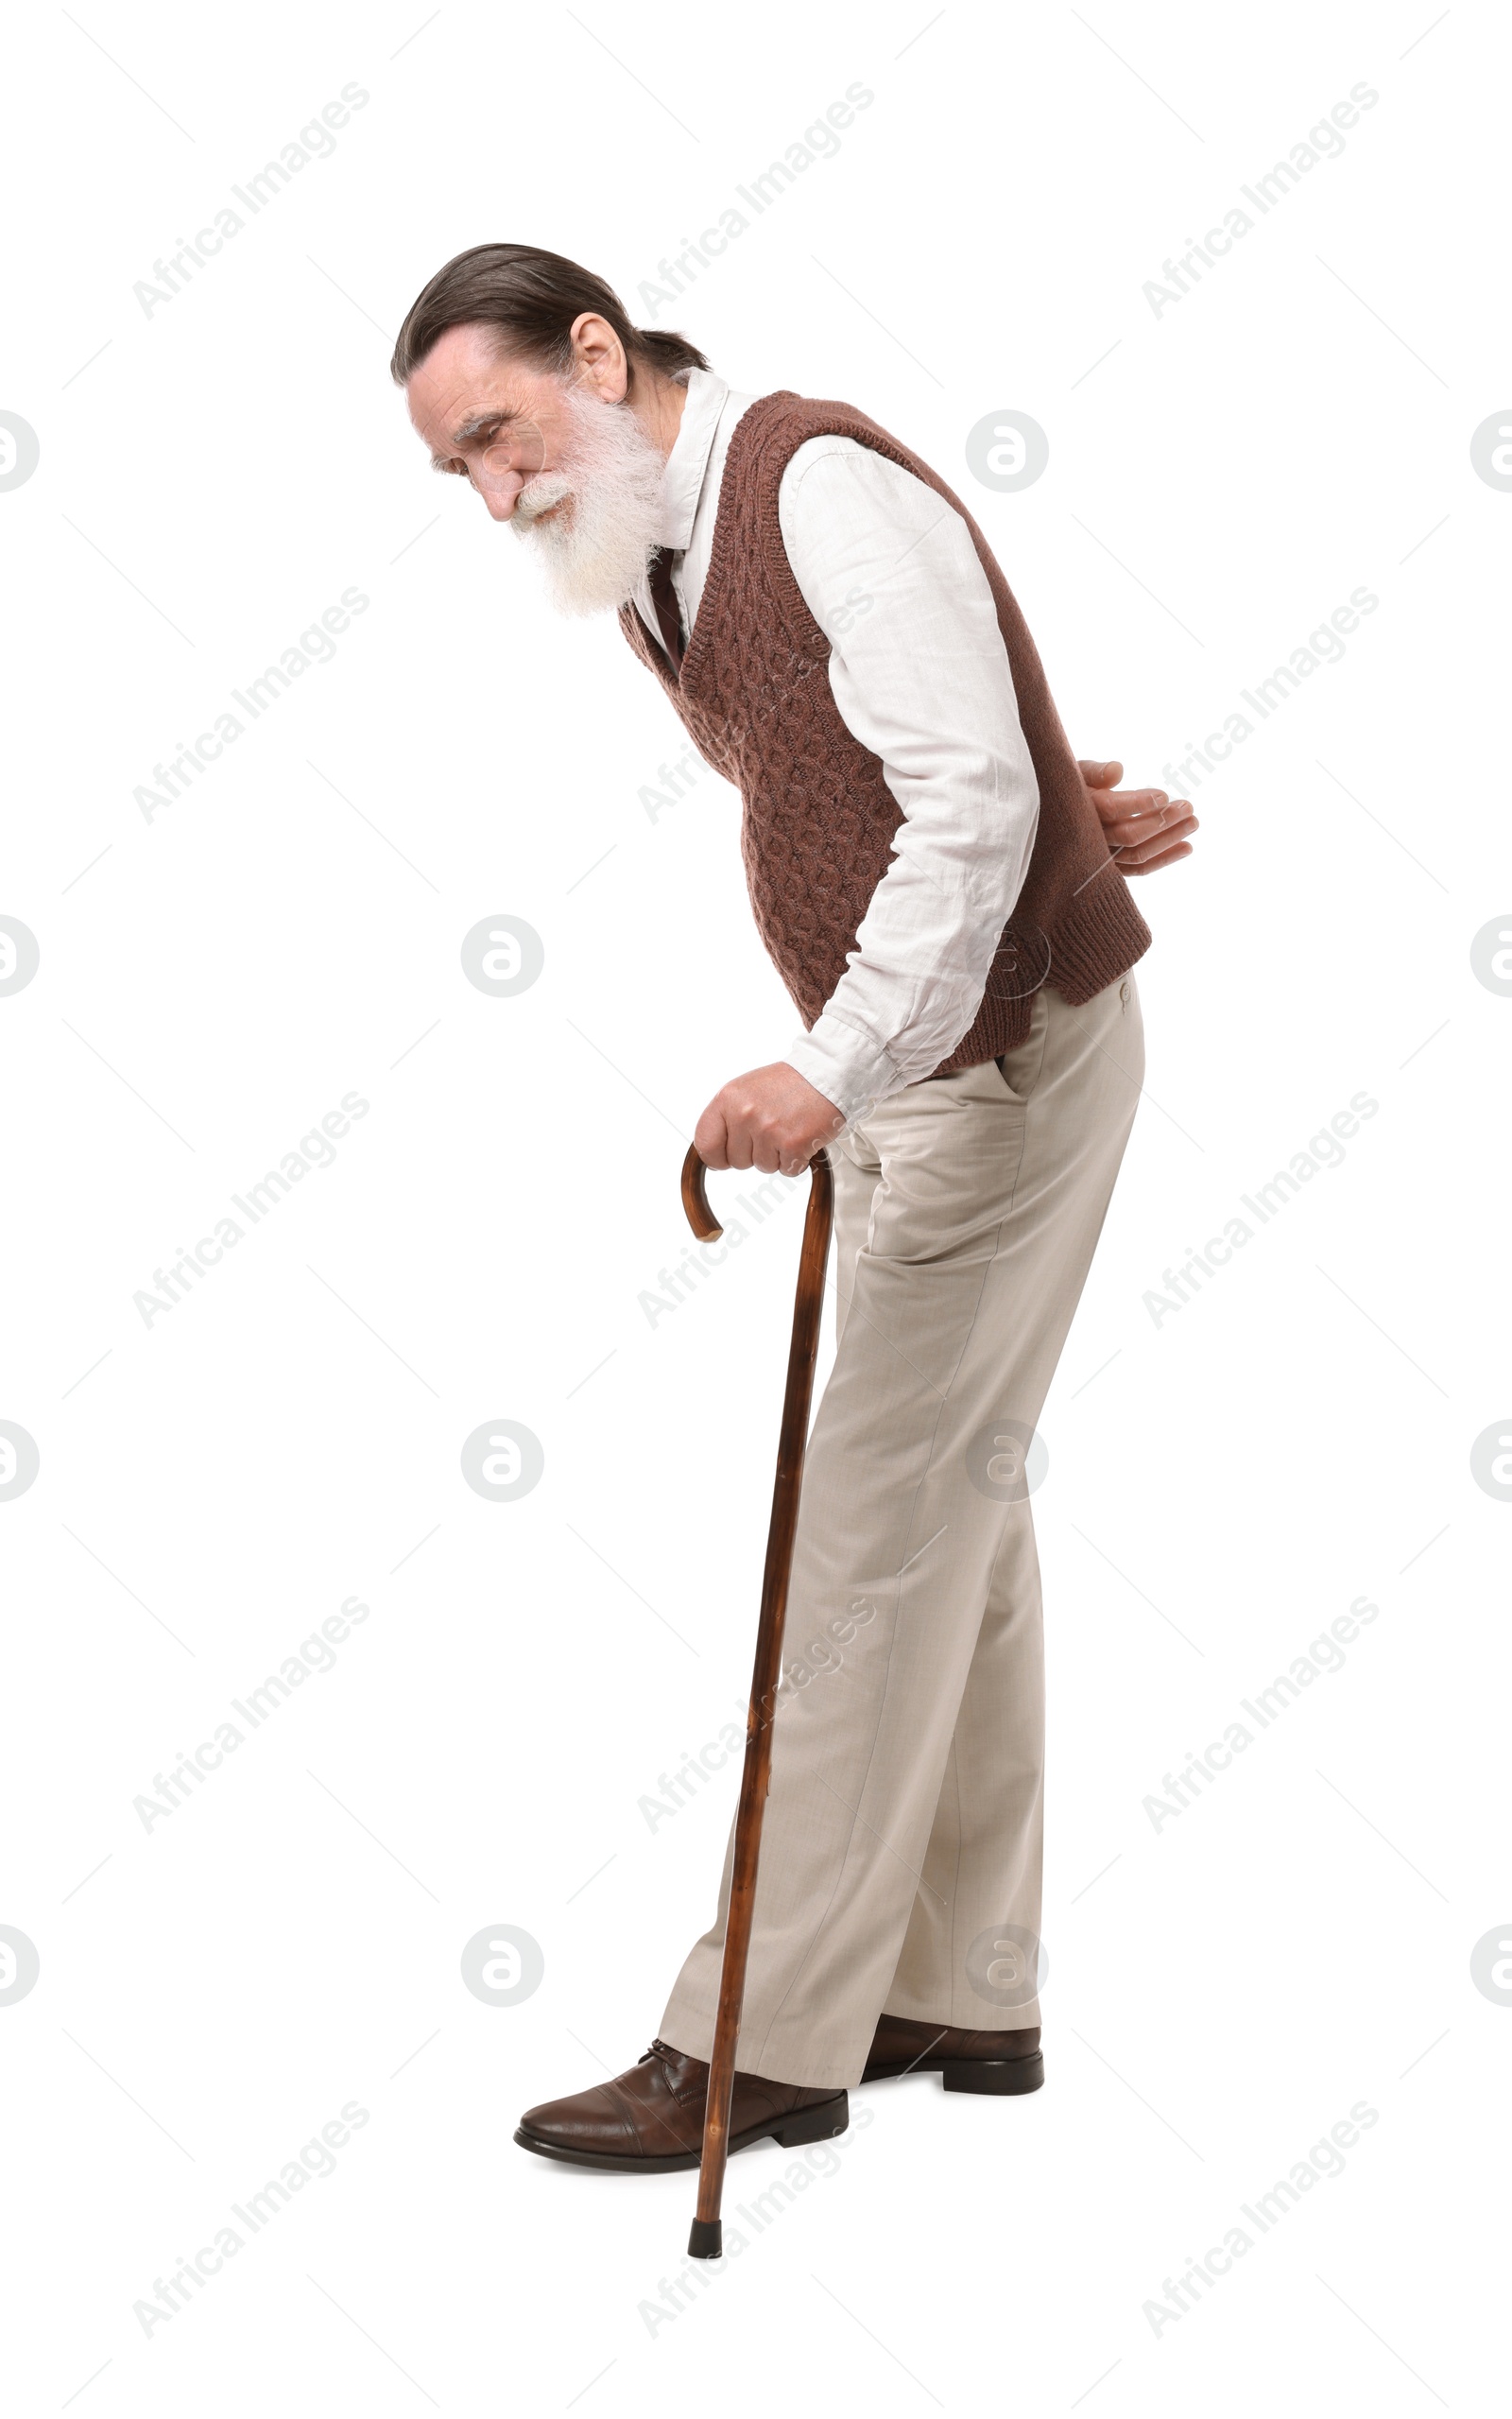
<point x="600" y="357"/>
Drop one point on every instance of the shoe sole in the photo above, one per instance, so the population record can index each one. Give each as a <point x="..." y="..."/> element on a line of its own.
<point x="992" y="2075"/>
<point x="821" y="2123"/>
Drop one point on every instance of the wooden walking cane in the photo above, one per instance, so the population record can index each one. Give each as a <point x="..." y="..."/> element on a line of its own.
<point x="706" y="2239"/>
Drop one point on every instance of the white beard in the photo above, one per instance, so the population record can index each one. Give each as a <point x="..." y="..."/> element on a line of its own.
<point x="595" y="551"/>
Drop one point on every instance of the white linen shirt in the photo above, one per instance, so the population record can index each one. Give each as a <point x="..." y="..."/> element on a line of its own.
<point x="920" y="676"/>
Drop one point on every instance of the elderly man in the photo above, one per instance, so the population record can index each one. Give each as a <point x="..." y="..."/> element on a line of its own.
<point x="941" y="887"/>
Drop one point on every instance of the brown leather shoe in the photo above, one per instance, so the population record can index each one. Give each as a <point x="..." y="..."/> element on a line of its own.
<point x="981" y="2061"/>
<point x="650" y="2120"/>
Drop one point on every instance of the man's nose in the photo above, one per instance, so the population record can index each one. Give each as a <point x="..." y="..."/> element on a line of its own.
<point x="502" y="469"/>
<point x="499" y="495"/>
<point x="499" y="488"/>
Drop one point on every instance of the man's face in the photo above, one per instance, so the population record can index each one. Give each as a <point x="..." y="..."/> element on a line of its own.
<point x="565" y="460"/>
<point x="492" y="417"/>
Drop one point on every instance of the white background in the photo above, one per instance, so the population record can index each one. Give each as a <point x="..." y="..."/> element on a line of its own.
<point x="1221" y="1485"/>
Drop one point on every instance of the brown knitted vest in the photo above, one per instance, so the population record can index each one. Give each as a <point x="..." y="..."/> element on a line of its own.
<point x="820" y="819"/>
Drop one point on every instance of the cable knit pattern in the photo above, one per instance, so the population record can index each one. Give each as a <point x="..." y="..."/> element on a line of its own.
<point x="820" y="819"/>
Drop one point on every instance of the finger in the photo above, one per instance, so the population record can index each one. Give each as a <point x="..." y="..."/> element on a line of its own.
<point x="1144" y="811"/>
<point x="1098" y="776"/>
<point x="1153" y="865"/>
<point x="1148" y="808"/>
<point x="1153" y="851"/>
<point x="1147" y="801"/>
<point x="1144" y="830"/>
<point x="1145" y="849"/>
<point x="708" y="1136"/>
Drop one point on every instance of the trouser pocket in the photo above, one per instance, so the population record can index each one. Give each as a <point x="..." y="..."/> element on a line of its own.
<point x="1020" y="1067"/>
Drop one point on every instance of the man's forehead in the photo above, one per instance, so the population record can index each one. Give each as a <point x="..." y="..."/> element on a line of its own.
<point x="449" y="395"/>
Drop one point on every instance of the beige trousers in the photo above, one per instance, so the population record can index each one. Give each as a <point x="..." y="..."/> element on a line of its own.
<point x="902" y="1845"/>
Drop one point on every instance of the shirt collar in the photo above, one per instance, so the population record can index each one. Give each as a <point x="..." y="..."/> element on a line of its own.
<point x="687" y="464"/>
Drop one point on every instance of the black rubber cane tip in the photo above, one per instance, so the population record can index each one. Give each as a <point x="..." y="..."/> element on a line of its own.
<point x="706" y="2239"/>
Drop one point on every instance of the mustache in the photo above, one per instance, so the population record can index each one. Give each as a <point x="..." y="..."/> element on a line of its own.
<point x="539" y="494"/>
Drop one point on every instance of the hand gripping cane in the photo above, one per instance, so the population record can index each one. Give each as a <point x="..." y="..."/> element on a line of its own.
<point x="706" y="2239"/>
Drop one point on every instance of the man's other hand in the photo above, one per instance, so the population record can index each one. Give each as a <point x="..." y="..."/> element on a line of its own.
<point x="771" y="1119"/>
<point x="1145" y="829"/>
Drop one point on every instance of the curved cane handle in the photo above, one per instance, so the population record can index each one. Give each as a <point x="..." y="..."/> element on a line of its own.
<point x="696" y="1200"/>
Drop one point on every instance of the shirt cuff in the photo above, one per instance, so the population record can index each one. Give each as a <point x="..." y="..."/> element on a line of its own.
<point x="845" y="1063"/>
